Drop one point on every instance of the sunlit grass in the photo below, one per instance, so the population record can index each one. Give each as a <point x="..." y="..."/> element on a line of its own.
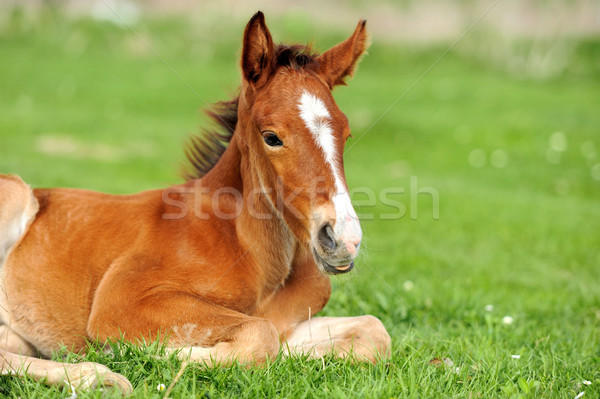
<point x="84" y="104"/>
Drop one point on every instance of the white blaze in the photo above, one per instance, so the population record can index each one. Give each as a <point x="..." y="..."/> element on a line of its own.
<point x="315" y="115"/>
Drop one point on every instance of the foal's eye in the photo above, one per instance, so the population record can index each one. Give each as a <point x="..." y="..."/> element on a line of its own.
<point x="271" y="139"/>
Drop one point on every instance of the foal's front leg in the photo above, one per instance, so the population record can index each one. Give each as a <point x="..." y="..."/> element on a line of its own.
<point x="129" y="301"/>
<point x="364" y="337"/>
<point x="304" y="294"/>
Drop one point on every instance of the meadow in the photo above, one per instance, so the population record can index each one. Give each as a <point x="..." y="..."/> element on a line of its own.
<point x="485" y="267"/>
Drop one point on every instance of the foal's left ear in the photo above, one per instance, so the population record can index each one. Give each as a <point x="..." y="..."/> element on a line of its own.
<point x="341" y="60"/>
<point x="258" y="53"/>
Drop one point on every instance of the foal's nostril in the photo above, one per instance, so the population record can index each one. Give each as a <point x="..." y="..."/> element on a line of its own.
<point x="326" y="238"/>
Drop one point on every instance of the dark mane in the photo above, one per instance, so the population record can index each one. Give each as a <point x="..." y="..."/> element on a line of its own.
<point x="204" y="150"/>
<point x="296" y="56"/>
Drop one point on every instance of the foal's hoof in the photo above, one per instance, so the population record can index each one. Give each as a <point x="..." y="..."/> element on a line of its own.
<point x="83" y="376"/>
<point x="114" y="380"/>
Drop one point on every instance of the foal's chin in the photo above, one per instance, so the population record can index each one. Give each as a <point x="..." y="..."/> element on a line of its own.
<point x="332" y="266"/>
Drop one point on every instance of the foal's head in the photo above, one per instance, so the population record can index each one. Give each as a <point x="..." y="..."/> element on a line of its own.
<point x="293" y="136"/>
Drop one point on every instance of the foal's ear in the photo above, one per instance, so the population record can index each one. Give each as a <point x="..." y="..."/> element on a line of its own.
<point x="341" y="60"/>
<point x="258" y="53"/>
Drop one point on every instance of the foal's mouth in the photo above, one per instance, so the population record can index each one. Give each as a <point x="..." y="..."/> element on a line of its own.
<point x="332" y="269"/>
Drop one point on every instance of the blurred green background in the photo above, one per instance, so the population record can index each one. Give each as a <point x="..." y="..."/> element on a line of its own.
<point x="494" y="105"/>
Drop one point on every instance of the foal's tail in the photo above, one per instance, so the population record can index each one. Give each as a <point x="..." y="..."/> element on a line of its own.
<point x="18" y="208"/>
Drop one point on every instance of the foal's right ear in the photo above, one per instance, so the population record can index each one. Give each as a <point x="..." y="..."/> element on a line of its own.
<point x="258" y="53"/>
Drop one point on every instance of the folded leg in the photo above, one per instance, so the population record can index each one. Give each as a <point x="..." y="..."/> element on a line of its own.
<point x="195" y="328"/>
<point x="365" y="337"/>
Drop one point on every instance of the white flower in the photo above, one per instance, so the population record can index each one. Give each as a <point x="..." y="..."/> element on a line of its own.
<point x="579" y="395"/>
<point x="489" y="308"/>
<point x="72" y="388"/>
<point x="515" y="356"/>
<point x="586" y="382"/>
<point x="408" y="285"/>
<point x="160" y="387"/>
<point x="507" y="320"/>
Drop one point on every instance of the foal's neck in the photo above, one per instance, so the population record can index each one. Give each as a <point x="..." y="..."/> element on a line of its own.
<point x="260" y="228"/>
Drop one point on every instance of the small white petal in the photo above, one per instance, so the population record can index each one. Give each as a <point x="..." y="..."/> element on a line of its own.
<point x="586" y="382"/>
<point x="558" y="141"/>
<point x="160" y="387"/>
<point x="579" y="395"/>
<point x="72" y="388"/>
<point x="507" y="320"/>
<point x="408" y="285"/>
<point x="515" y="356"/>
<point x="489" y="308"/>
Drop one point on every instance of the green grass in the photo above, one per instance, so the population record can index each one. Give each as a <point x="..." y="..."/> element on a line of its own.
<point x="85" y="104"/>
